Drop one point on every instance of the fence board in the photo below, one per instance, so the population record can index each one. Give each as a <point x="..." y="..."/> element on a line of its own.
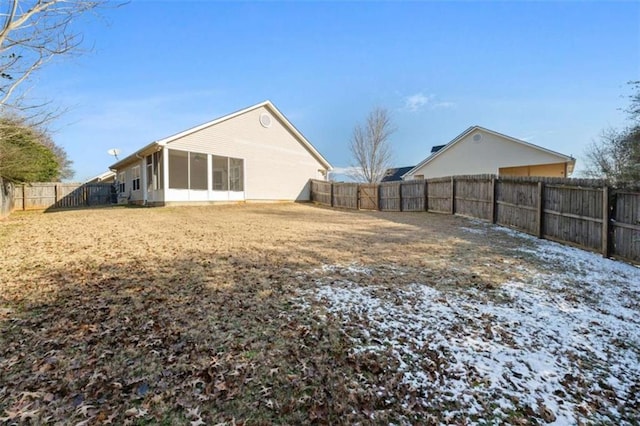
<point x="574" y="215"/>
<point x="38" y="196"/>
<point x="413" y="195"/>
<point x="626" y="226"/>
<point x="516" y="205"/>
<point x="321" y="192"/>
<point x="390" y="196"/>
<point x="474" y="197"/>
<point x="345" y="195"/>
<point x="439" y="196"/>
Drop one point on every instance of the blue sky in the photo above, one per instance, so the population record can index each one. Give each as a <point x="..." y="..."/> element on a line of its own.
<point x="551" y="73"/>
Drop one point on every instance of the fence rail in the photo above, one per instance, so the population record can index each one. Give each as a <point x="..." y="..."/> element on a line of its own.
<point x="581" y="212"/>
<point x="56" y="195"/>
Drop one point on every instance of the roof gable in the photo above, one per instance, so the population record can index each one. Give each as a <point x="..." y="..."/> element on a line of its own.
<point x="462" y="136"/>
<point x="266" y="104"/>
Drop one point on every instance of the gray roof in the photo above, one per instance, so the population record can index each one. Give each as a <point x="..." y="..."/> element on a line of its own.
<point x="392" y="175"/>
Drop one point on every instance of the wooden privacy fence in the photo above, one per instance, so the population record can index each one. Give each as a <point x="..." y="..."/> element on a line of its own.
<point x="581" y="212"/>
<point x="56" y="195"/>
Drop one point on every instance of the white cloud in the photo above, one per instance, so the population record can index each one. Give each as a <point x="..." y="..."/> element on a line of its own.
<point x="344" y="173"/>
<point x="420" y="101"/>
<point x="416" y="102"/>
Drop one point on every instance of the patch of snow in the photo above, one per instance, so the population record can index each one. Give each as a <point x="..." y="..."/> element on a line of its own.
<point x="565" y="341"/>
<point x="474" y="230"/>
<point x="352" y="269"/>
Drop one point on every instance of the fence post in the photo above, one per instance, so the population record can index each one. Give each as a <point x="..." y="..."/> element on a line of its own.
<point x="331" y="194"/>
<point x="540" y="212"/>
<point x="605" y="221"/>
<point x="453" y="195"/>
<point x="358" y="197"/>
<point x="24" y="197"/>
<point x="378" y="196"/>
<point x="493" y="200"/>
<point x="400" y="196"/>
<point x="426" y="197"/>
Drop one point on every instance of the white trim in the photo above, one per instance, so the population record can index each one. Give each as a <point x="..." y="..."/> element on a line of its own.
<point x="143" y="180"/>
<point x="209" y="172"/>
<point x="165" y="172"/>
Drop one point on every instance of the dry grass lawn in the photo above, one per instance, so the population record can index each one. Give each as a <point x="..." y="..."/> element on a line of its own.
<point x="207" y="315"/>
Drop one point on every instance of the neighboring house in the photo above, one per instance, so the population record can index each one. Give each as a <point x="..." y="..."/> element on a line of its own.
<point x="253" y="154"/>
<point x="482" y="151"/>
<point x="393" y="175"/>
<point x="106" y="177"/>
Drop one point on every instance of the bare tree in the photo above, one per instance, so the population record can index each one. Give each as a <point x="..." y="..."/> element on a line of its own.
<point x="370" y="146"/>
<point x="616" y="155"/>
<point x="32" y="32"/>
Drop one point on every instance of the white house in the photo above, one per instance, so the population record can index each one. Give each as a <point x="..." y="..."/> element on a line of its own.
<point x="254" y="154"/>
<point x="482" y="151"/>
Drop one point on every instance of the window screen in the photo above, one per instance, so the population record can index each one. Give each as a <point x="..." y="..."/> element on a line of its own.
<point x="157" y="170"/>
<point x="178" y="169"/>
<point x="236" y="174"/>
<point x="197" y="171"/>
<point x="150" y="176"/>
<point x="220" y="173"/>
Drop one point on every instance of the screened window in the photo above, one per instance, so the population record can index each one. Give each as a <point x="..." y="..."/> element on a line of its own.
<point x="178" y="169"/>
<point x="220" y="173"/>
<point x="157" y="170"/>
<point x="135" y="172"/>
<point x="197" y="171"/>
<point x="149" y="162"/>
<point x="236" y="174"/>
<point x="121" y="182"/>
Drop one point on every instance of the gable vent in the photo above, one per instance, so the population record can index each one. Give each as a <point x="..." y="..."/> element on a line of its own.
<point x="265" y="120"/>
<point x="477" y="137"/>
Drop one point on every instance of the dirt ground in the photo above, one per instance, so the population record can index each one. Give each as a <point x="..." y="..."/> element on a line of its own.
<point x="203" y="315"/>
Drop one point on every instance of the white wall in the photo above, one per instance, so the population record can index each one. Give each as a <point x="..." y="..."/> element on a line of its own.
<point x="277" y="166"/>
<point x="129" y="193"/>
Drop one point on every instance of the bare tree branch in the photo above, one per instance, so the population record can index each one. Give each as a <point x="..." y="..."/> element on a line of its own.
<point x="32" y="33"/>
<point x="370" y="146"/>
<point x="616" y="155"/>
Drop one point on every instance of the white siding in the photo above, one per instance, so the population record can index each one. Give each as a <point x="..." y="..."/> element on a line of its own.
<point x="129" y="193"/>
<point x="277" y="165"/>
<point x="492" y="152"/>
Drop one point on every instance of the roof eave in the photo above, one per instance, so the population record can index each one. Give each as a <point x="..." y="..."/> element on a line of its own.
<point x="136" y="155"/>
<point x="299" y="135"/>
